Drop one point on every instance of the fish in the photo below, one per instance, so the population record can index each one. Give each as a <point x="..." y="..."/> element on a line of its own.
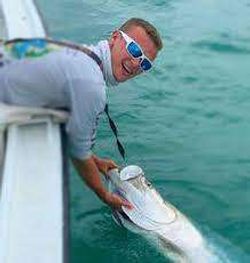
<point x="158" y="220"/>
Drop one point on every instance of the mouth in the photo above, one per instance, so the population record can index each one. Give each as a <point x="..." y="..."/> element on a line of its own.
<point x="126" y="69"/>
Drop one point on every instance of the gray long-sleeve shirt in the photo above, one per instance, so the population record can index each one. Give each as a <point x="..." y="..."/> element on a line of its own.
<point x="66" y="79"/>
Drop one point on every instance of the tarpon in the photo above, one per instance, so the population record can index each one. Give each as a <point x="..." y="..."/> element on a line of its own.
<point x="158" y="220"/>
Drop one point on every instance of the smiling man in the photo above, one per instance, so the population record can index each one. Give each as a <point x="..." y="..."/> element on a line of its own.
<point x="125" y="63"/>
<point x="75" y="80"/>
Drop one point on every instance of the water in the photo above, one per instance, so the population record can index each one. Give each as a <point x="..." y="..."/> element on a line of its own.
<point x="187" y="123"/>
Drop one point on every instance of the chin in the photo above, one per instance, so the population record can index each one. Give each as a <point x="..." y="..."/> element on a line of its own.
<point x="121" y="77"/>
<point x="125" y="78"/>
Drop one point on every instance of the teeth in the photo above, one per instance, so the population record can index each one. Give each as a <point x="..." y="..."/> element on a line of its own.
<point x="127" y="68"/>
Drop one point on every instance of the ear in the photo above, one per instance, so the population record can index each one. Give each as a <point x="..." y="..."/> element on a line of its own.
<point x="114" y="36"/>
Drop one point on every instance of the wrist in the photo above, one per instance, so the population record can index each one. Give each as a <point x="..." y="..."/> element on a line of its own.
<point x="103" y="194"/>
<point x="106" y="197"/>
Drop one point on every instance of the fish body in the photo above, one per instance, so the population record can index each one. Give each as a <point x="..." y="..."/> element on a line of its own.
<point x="158" y="220"/>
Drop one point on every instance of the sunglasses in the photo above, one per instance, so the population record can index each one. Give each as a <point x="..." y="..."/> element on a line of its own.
<point x="136" y="52"/>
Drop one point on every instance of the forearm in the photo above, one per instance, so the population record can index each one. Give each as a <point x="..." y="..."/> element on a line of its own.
<point x="88" y="170"/>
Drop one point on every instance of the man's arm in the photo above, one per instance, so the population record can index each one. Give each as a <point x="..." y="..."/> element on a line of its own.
<point x="88" y="170"/>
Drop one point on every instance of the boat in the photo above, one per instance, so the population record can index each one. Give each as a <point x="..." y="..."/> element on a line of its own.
<point x="34" y="217"/>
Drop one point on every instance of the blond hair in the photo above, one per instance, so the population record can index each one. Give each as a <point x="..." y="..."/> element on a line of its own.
<point x="149" y="29"/>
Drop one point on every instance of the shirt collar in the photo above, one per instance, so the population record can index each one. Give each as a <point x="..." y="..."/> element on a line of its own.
<point x="102" y="50"/>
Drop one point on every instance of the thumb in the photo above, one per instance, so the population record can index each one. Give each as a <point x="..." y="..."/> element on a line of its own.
<point x="112" y="165"/>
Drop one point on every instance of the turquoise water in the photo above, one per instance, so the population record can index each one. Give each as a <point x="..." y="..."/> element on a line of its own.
<point x="187" y="123"/>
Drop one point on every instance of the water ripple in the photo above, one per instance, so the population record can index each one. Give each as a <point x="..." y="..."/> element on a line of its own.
<point x="221" y="47"/>
<point x="198" y="189"/>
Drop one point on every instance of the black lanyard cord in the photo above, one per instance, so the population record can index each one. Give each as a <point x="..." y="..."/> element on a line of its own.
<point x="115" y="131"/>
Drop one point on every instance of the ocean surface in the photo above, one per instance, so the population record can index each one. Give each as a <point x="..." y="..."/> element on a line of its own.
<point x="186" y="123"/>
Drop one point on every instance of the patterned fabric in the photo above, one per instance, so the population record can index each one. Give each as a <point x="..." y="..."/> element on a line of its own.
<point x="29" y="48"/>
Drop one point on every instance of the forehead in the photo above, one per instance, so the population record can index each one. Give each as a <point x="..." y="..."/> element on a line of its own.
<point x="142" y="38"/>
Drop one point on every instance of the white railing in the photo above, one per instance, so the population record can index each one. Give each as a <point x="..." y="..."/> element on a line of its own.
<point x="22" y="19"/>
<point x="31" y="182"/>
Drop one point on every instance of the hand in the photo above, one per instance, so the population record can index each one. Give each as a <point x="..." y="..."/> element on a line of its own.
<point x="104" y="165"/>
<point x="116" y="202"/>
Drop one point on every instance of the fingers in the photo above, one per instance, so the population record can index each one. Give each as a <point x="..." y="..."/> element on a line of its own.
<point x="109" y="165"/>
<point x="112" y="165"/>
<point x="117" y="202"/>
<point x="127" y="204"/>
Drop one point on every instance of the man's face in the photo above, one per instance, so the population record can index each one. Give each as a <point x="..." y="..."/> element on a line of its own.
<point x="124" y="66"/>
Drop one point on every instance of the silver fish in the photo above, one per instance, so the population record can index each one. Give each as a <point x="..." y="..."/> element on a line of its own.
<point x="157" y="219"/>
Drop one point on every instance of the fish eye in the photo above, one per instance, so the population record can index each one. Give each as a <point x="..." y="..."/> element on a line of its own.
<point x="146" y="182"/>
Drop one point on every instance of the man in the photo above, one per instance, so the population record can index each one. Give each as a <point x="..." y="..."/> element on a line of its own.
<point x="70" y="79"/>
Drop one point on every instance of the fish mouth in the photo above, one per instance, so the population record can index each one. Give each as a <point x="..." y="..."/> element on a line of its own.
<point x="130" y="172"/>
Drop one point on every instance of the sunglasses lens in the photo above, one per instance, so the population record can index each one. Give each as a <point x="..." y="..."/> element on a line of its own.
<point x="134" y="50"/>
<point x="146" y="64"/>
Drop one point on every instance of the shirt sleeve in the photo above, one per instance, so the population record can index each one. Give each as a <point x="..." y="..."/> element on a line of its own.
<point x="88" y="102"/>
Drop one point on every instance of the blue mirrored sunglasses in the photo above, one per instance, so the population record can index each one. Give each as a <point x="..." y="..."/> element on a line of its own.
<point x="136" y="52"/>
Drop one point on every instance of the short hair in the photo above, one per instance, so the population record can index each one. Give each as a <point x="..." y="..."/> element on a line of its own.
<point x="149" y="29"/>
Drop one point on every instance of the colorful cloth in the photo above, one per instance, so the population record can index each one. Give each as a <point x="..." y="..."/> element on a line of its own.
<point x="30" y="48"/>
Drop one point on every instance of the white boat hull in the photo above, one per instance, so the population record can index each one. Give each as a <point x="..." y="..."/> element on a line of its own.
<point x="33" y="194"/>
